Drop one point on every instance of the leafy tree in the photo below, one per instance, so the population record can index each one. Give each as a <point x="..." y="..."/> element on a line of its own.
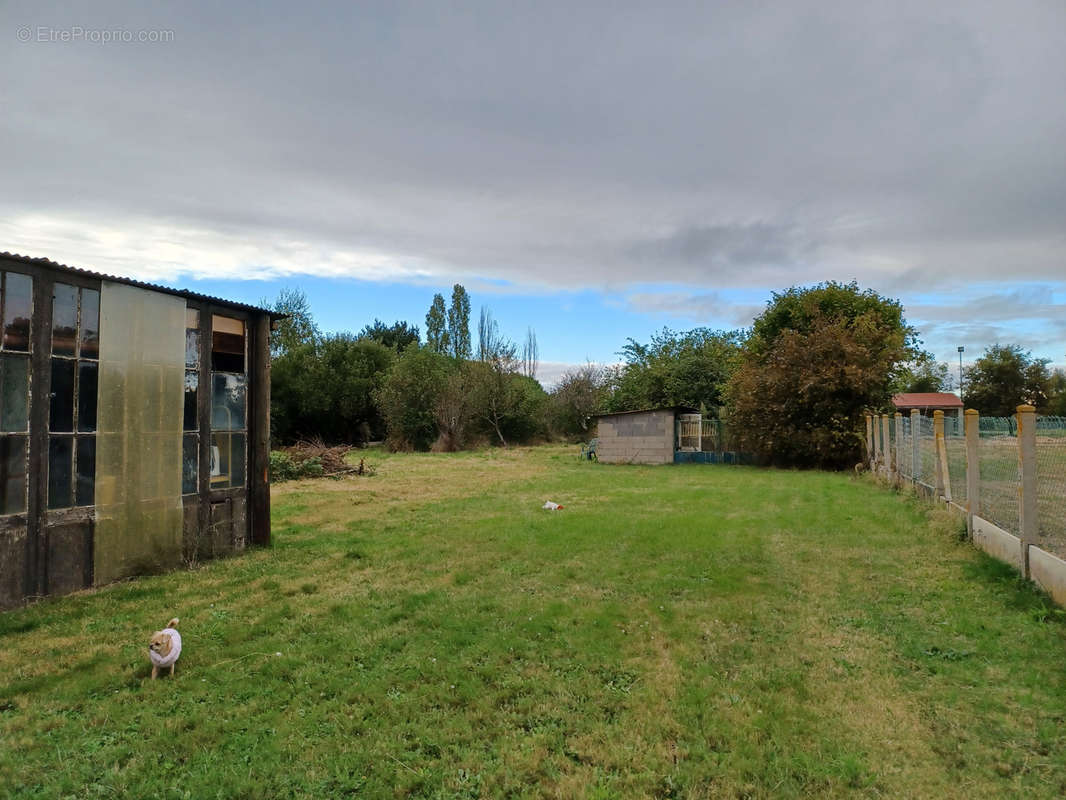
<point x="1005" y="377"/>
<point x="399" y="335"/>
<point x="454" y="410"/>
<point x="297" y="327"/>
<point x="1057" y="393"/>
<point x="510" y="407"/>
<point x="437" y="337"/>
<point x="409" y="396"/>
<point x="578" y="396"/>
<point x="923" y="374"/>
<point x="459" y="323"/>
<point x="327" y="390"/>
<point x="675" y="368"/>
<point x="816" y="360"/>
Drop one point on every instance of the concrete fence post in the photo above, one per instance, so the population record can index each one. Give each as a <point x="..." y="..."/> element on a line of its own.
<point x="870" y="441"/>
<point x="877" y="443"/>
<point x="973" y="468"/>
<point x="916" y="444"/>
<point x="886" y="446"/>
<point x="942" y="479"/>
<point x="1027" y="509"/>
<point x="898" y="421"/>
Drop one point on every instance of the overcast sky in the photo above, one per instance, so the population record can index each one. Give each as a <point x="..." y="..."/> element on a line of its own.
<point x="593" y="170"/>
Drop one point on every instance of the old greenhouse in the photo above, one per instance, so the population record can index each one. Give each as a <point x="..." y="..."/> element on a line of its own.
<point x="134" y="427"/>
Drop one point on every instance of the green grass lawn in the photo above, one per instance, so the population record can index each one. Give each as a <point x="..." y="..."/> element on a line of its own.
<point x="690" y="631"/>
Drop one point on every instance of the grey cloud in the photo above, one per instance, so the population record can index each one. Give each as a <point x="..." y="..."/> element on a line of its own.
<point x="703" y="308"/>
<point x="1034" y="303"/>
<point x="552" y="145"/>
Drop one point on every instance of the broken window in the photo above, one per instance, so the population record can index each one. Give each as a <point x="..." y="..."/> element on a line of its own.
<point x="227" y="344"/>
<point x="229" y="401"/>
<point x="72" y="401"/>
<point x="190" y="443"/>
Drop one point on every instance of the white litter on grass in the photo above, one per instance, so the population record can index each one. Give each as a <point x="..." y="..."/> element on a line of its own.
<point x="550" y="506"/>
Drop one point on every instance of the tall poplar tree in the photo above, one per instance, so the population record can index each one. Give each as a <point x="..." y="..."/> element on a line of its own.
<point x="459" y="323"/>
<point x="437" y="336"/>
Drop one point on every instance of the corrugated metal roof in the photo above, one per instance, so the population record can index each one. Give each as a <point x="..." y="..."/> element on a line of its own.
<point x="155" y="287"/>
<point x="926" y="400"/>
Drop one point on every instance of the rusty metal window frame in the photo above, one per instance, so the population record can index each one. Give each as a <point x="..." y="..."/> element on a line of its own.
<point x="235" y="439"/>
<point x="192" y="435"/>
<point x="10" y="355"/>
<point x="80" y="440"/>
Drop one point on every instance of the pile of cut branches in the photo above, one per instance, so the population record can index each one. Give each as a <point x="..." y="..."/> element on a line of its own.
<point x="312" y="458"/>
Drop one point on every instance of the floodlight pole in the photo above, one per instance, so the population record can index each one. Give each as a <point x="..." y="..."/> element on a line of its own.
<point x="961" y="349"/>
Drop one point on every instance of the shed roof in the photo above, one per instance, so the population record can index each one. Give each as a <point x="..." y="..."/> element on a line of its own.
<point x="155" y="287"/>
<point x="927" y="400"/>
<point x="682" y="409"/>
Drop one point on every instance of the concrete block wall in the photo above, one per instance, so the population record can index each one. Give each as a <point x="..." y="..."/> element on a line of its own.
<point x="644" y="438"/>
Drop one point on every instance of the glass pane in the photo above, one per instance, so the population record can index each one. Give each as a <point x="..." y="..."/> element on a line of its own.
<point x="227" y="402"/>
<point x="90" y="323"/>
<point x="60" y="458"/>
<point x="14" y="393"/>
<point x="12" y="474"/>
<point x="190" y="466"/>
<point x="85" y="488"/>
<point x="192" y="348"/>
<point x="227" y="460"/>
<point x="61" y="417"/>
<point x="227" y="344"/>
<point x="192" y="383"/>
<point x="87" y="372"/>
<point x="64" y="319"/>
<point x="18" y="306"/>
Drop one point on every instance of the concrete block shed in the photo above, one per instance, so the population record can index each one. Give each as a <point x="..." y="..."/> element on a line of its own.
<point x="647" y="436"/>
<point x="134" y="427"/>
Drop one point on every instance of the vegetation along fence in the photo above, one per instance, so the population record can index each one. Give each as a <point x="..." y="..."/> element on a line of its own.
<point x="1006" y="474"/>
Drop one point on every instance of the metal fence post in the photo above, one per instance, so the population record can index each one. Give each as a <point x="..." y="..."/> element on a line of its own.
<point x="973" y="468"/>
<point x="1027" y="509"/>
<point x="916" y="442"/>
<point x="942" y="480"/>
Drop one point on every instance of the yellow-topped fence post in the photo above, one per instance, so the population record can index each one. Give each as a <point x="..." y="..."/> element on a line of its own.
<point x="973" y="468"/>
<point x="1027" y="509"/>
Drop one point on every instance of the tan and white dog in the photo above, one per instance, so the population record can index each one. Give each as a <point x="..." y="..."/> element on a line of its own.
<point x="164" y="648"/>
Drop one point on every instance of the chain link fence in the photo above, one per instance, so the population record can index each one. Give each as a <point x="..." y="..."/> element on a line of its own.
<point x="1051" y="483"/>
<point x="926" y="453"/>
<point x="997" y="457"/>
<point x="955" y="444"/>
<point x="999" y="474"/>
<point x="906" y="460"/>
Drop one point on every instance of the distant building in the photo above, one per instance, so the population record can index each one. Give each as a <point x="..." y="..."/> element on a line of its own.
<point x="647" y="436"/>
<point x="928" y="402"/>
<point x="134" y="427"/>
